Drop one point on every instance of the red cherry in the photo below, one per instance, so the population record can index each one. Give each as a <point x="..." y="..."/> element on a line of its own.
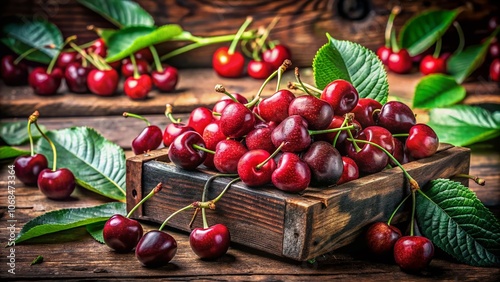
<point x="413" y="253"/>
<point x="381" y="237"/>
<point x="28" y="168"/>
<point x="494" y="49"/>
<point x="259" y="69"/>
<point x="350" y="171"/>
<point x="291" y="174"/>
<point x="182" y="152"/>
<point x="365" y="110"/>
<point x="212" y="135"/>
<point x="275" y="107"/>
<point x="400" y="62"/>
<point x="495" y="70"/>
<point x="316" y="112"/>
<point x="431" y="64"/>
<point x="65" y="58"/>
<point x="341" y="95"/>
<point x="325" y="163"/>
<point x="293" y="131"/>
<point x="144" y="54"/>
<point x="75" y="76"/>
<point x="276" y="55"/>
<point x="13" y="74"/>
<point x="200" y="118"/>
<point x="149" y="139"/>
<point x="236" y="120"/>
<point x="248" y="171"/>
<point x="165" y="80"/>
<point x="103" y="82"/>
<point x="211" y="242"/>
<point x="121" y="233"/>
<point x="44" y="83"/>
<point x="56" y="185"/>
<point x="383" y="53"/>
<point x="137" y="88"/>
<point x="227" y="154"/>
<point x="156" y="248"/>
<point x="98" y="47"/>
<point x="173" y="130"/>
<point x="260" y="137"/>
<point x="422" y="141"/>
<point x="127" y="68"/>
<point x="228" y="65"/>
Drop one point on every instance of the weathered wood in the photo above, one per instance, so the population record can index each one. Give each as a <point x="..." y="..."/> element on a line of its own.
<point x="300" y="227"/>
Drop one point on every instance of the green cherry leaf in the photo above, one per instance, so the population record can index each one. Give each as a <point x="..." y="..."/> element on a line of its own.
<point x="95" y="230"/>
<point x="7" y="152"/>
<point x="126" y="41"/>
<point x="35" y="34"/>
<point x="64" y="219"/>
<point x="97" y="163"/>
<point x="456" y="221"/>
<point x="20" y="48"/>
<point x="339" y="59"/>
<point x="437" y="90"/>
<point x="16" y="133"/>
<point x="423" y="30"/>
<point x="120" y="13"/>
<point x="463" y="125"/>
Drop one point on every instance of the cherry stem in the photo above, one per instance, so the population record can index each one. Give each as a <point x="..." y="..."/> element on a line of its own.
<point x="397" y="208"/>
<point x="85" y="55"/>
<point x="356" y="146"/>
<point x="127" y="114"/>
<point x="413" y="207"/>
<point x="238" y="35"/>
<point x="198" y="147"/>
<point x="156" y="59"/>
<point x="54" y="59"/>
<point x="400" y="134"/>
<point x="33" y="119"/>
<point x="259" y="166"/>
<point x="334" y="143"/>
<point x="286" y="64"/>
<point x="190" y="206"/>
<point x="31" y="138"/>
<point x="437" y="49"/>
<point x="390" y="23"/>
<point x="316" y="132"/>
<point x="265" y="35"/>
<point x="148" y="196"/>
<point x="134" y="65"/>
<point x="297" y="77"/>
<point x="168" y="113"/>
<point x="461" y="38"/>
<point x="205" y="188"/>
<point x="304" y="87"/>
<point x="476" y="179"/>
<point x="25" y="54"/>
<point x="221" y="89"/>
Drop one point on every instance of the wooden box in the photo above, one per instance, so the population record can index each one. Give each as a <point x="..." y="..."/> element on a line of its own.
<point x="299" y="227"/>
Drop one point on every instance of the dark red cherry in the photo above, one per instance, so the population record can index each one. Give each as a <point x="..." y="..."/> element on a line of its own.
<point x="144" y="54"/>
<point x="422" y="141"/>
<point x="236" y="120"/>
<point x="13" y="74"/>
<point x="260" y="137"/>
<point x="137" y="88"/>
<point x="156" y="248"/>
<point x="330" y="137"/>
<point x="56" y="185"/>
<point x="165" y="80"/>
<point x="431" y="64"/>
<point x="173" y="130"/>
<point x="316" y="112"/>
<point x="121" y="233"/>
<point x="149" y="139"/>
<point x="291" y="174"/>
<point x="350" y="170"/>
<point x="341" y="95"/>
<point x="44" y="83"/>
<point x="103" y="82"/>
<point x="210" y="243"/>
<point x="127" y="68"/>
<point x="495" y="70"/>
<point x="383" y="53"/>
<point x="259" y="69"/>
<point x="365" y="111"/>
<point x="325" y="163"/>
<point x="400" y="62"/>
<point x="381" y="237"/>
<point x="225" y="64"/>
<point x="98" y="47"/>
<point x="494" y="49"/>
<point x="276" y="55"/>
<point x="65" y="58"/>
<point x="396" y="117"/>
<point x="28" y="168"/>
<point x="293" y="131"/>
<point x="413" y="253"/>
<point x="252" y="175"/>
<point x="75" y="76"/>
<point x="182" y="152"/>
<point x="226" y="100"/>
<point x="275" y="107"/>
<point x="227" y="154"/>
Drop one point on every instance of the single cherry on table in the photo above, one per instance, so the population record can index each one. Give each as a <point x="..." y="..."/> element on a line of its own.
<point x="149" y="139"/>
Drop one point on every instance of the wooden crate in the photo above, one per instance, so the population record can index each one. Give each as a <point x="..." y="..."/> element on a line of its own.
<point x="299" y="227"/>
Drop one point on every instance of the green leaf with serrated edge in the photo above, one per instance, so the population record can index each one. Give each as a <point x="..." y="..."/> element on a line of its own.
<point x="65" y="219"/>
<point x="7" y="152"/>
<point x="97" y="163"/>
<point x="20" y="48"/>
<point x="463" y="125"/>
<point x="95" y="230"/>
<point x="126" y="41"/>
<point x="437" y="90"/>
<point x="463" y="64"/>
<point x="121" y="13"/>
<point x="36" y="34"/>
<point x="16" y="133"/>
<point x="456" y="221"/>
<point x="339" y="59"/>
<point x="423" y="30"/>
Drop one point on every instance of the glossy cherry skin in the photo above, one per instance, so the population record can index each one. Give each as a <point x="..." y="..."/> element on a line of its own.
<point x="247" y="168"/>
<point x="422" y="141"/>
<point x="182" y="153"/>
<point x="400" y="153"/>
<point x="149" y="139"/>
<point x="155" y="249"/>
<point x="495" y="70"/>
<point x="75" y="76"/>
<point x="127" y="68"/>
<point x="293" y="131"/>
<point x="173" y="130"/>
<point x="44" y="83"/>
<point x="325" y="163"/>
<point x="98" y="47"/>
<point x="260" y="137"/>
<point x="226" y="100"/>
<point x="276" y="55"/>
<point x="396" y="117"/>
<point x="365" y="111"/>
<point x="341" y="95"/>
<point x="275" y="107"/>
<point x="121" y="233"/>
<point x="212" y="135"/>
<point x="13" y="74"/>
<point x="383" y="53"/>
<point x="400" y="62"/>
<point x="144" y="54"/>
<point x="165" y="80"/>
<point x="210" y="243"/>
<point x="350" y="170"/>
<point x="65" y="58"/>
<point x="227" y="154"/>
<point x="236" y="120"/>
<point x="430" y="65"/>
<point x="228" y="65"/>
<point x="200" y="118"/>
<point x="317" y="112"/>
<point x="103" y="82"/>
<point x="137" y="88"/>
<point x="413" y="253"/>
<point x="291" y="174"/>
<point x="259" y="69"/>
<point x="56" y="185"/>
<point x="381" y="237"/>
<point x="28" y="168"/>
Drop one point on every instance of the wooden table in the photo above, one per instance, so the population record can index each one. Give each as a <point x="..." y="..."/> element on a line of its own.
<point x="84" y="259"/>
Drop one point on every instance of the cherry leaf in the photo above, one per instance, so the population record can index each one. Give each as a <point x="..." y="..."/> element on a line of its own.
<point x="437" y="90"/>
<point x="120" y="13"/>
<point x="456" y="221"/>
<point x="339" y="59"/>
<point x="7" y="152"/>
<point x="16" y="133"/>
<point x="95" y="230"/>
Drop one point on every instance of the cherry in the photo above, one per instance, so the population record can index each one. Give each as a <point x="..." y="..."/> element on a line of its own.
<point x="316" y="112"/>
<point x="341" y="95"/>
<point x="350" y="170"/>
<point x="381" y="237"/>
<point x="340" y="141"/>
<point x="255" y="167"/>
<point x="200" y="118"/>
<point x="65" y="58"/>
<point x="259" y="69"/>
<point x="211" y="242"/>
<point x="127" y="68"/>
<point x="75" y="76"/>
<point x="13" y="73"/>
<point x="400" y="153"/>
<point x="400" y="61"/>
<point x="495" y="70"/>
<point x="275" y="107"/>
<point x="396" y="117"/>
<point x="431" y="64"/>
<point x="225" y="100"/>
<point x="165" y="80"/>
<point x="365" y="111"/>
<point x="28" y="168"/>
<point x="276" y="55"/>
<point x="173" y="130"/>
<point x="98" y="47"/>
<point x="493" y="23"/>
<point x="156" y="248"/>
<point x="227" y="154"/>
<point x="45" y="82"/>
<point x="137" y="88"/>
<point x="293" y="131"/>
<point x="494" y="49"/>
<point x="260" y="137"/>
<point x="149" y="139"/>
<point x="291" y="174"/>
<point x="103" y="82"/>
<point x="56" y="184"/>
<point x="413" y="253"/>
<point x="182" y="151"/>
<point x="144" y="54"/>
<point x="422" y="141"/>
<point x="236" y="120"/>
<point x="384" y="53"/>
<point x="212" y="135"/>
<point x="325" y="163"/>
